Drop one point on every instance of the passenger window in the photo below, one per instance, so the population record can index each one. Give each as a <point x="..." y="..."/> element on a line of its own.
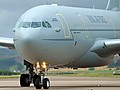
<point x="43" y="24"/>
<point x="48" y="24"/>
<point x="36" y="24"/>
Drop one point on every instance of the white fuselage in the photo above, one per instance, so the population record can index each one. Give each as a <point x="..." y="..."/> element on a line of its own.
<point x="68" y="41"/>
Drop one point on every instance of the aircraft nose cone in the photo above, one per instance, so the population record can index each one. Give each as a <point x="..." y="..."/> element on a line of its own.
<point x="26" y="43"/>
<point x="26" y="46"/>
<point x="27" y="40"/>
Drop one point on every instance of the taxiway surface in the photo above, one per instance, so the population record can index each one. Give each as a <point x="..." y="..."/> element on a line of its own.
<point x="67" y="83"/>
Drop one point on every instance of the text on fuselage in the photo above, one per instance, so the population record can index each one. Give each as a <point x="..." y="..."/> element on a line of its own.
<point x="96" y="19"/>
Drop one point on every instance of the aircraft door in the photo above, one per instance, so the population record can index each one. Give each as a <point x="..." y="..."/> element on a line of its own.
<point x="65" y="26"/>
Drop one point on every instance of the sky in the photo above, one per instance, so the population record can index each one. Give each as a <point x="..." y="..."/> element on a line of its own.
<point x="11" y="10"/>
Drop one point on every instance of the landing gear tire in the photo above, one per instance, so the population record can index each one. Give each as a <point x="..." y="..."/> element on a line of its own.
<point x="38" y="83"/>
<point x="46" y="83"/>
<point x="24" y="80"/>
<point x="34" y="79"/>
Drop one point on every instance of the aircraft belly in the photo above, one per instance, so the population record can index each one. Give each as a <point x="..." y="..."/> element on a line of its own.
<point x="58" y="52"/>
<point x="91" y="59"/>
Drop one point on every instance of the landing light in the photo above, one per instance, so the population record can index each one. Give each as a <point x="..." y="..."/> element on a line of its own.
<point x="38" y="65"/>
<point x="41" y="65"/>
<point x="44" y="65"/>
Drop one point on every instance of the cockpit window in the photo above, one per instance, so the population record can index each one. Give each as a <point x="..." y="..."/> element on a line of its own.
<point x="25" y="25"/>
<point x="48" y="24"/>
<point x="44" y="25"/>
<point x="29" y="25"/>
<point x="35" y="24"/>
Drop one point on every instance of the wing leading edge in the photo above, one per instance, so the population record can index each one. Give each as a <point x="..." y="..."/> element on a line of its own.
<point x="7" y="42"/>
<point x="105" y="48"/>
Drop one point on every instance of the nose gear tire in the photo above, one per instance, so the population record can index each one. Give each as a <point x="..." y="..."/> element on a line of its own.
<point x="46" y="83"/>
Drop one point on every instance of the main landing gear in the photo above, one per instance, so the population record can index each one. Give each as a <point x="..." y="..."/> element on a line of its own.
<point x="39" y="79"/>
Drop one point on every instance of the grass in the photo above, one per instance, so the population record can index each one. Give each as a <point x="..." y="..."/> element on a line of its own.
<point x="76" y="73"/>
<point x="11" y="76"/>
<point x="85" y="73"/>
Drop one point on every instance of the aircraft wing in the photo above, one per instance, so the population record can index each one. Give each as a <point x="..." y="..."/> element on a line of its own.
<point x="105" y="48"/>
<point x="7" y="42"/>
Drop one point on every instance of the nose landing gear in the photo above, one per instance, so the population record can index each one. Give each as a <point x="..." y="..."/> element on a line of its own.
<point x="39" y="79"/>
<point x="42" y="82"/>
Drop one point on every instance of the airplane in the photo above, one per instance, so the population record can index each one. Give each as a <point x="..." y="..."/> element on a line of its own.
<point x="60" y="36"/>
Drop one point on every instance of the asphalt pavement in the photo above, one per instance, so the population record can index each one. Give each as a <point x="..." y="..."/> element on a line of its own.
<point x="67" y="83"/>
